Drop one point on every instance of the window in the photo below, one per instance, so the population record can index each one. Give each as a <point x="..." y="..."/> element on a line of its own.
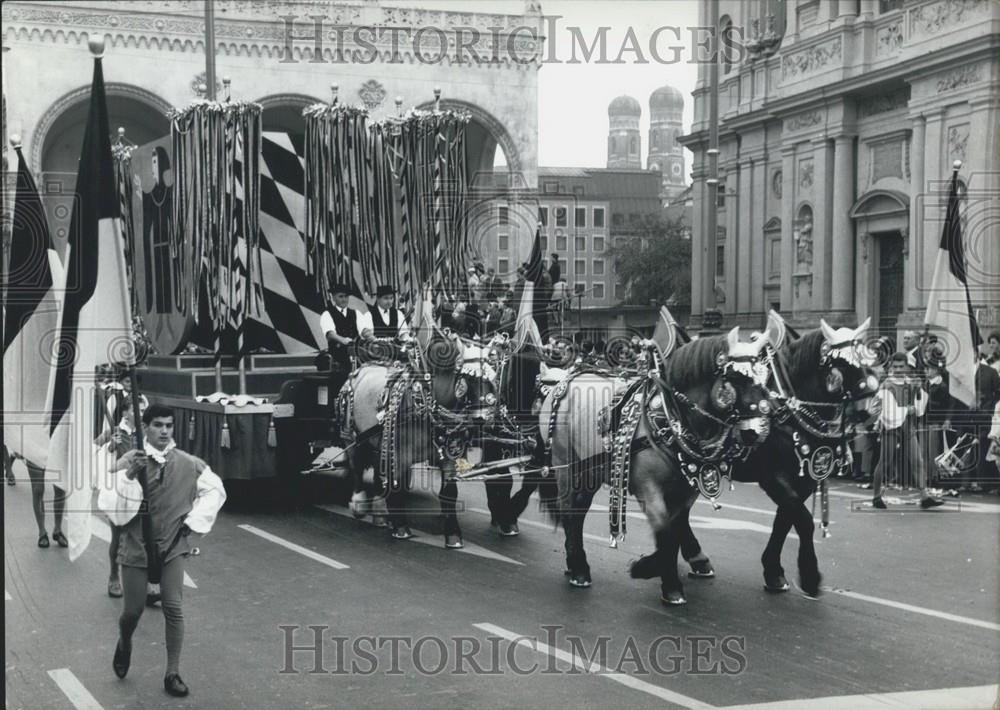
<point x="579" y="288"/>
<point x="774" y="257"/>
<point x="598" y="216"/>
<point x="598" y="292"/>
<point x="580" y="267"/>
<point x="543" y="216"/>
<point x="561" y="242"/>
<point x="563" y="268"/>
<point x="619" y="292"/>
<point x="580" y="244"/>
<point x="889" y="5"/>
<point x="598" y="243"/>
<point x="617" y="219"/>
<point x="720" y="198"/>
<point x="551" y="187"/>
<point x="598" y="267"/>
<point x="633" y="218"/>
<point x="720" y="260"/>
<point x="580" y="218"/>
<point x="504" y="242"/>
<point x="560" y="216"/>
<point x="633" y="145"/>
<point x="503" y="266"/>
<point x="544" y="243"/>
<point x="504" y="214"/>
<point x="578" y="190"/>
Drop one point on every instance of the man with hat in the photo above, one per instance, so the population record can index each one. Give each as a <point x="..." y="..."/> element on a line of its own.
<point x="340" y="325"/>
<point x="383" y="320"/>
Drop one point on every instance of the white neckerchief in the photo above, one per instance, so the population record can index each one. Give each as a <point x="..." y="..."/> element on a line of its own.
<point x="159" y="456"/>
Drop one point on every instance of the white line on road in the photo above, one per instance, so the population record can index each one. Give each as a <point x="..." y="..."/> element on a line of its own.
<point x="294" y="548"/>
<point x="73" y="689"/>
<point x="916" y="609"/>
<point x="965" y="505"/>
<point x="102" y="531"/>
<point x="595" y="668"/>
<point x="982" y="696"/>
<point x="6" y="596"/>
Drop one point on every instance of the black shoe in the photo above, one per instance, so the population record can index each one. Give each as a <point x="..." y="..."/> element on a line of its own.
<point x="43" y="540"/>
<point x="122" y="660"/>
<point x="153" y="599"/>
<point x="879" y="503"/>
<point x="930" y="502"/>
<point x="60" y="538"/>
<point x="175" y="686"/>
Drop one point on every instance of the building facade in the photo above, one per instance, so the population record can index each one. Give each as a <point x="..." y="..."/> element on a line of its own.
<point x="839" y="123"/>
<point x="154" y="61"/>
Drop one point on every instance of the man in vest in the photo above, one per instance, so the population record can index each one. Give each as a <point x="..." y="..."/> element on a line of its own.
<point x="340" y="326"/>
<point x="383" y="320"/>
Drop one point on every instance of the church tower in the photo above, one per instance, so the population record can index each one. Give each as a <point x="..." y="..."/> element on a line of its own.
<point x="666" y="106"/>
<point x="623" y="133"/>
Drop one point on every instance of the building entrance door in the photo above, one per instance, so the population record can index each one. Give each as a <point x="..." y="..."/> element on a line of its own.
<point x="889" y="285"/>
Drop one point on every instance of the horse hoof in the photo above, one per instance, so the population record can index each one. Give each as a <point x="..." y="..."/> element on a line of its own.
<point x="776" y="585"/>
<point x="379" y="521"/>
<point x="401" y="534"/>
<point x="580" y="581"/>
<point x="643" y="568"/>
<point x="673" y="599"/>
<point x="701" y="569"/>
<point x="811" y="592"/>
<point x="453" y="542"/>
<point x="509" y="530"/>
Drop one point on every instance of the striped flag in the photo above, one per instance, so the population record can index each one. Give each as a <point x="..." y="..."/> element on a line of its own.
<point x="31" y="320"/>
<point x="949" y="306"/>
<point x="95" y="325"/>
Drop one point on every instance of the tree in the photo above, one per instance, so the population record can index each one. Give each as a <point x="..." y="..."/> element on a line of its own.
<point x="655" y="262"/>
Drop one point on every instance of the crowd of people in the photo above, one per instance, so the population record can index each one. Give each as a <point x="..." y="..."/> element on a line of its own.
<point x="922" y="437"/>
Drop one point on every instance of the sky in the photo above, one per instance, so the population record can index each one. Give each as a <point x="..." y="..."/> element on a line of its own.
<point x="573" y="98"/>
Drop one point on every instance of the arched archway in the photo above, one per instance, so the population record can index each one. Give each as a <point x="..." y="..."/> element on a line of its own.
<point x="283" y="112"/>
<point x="58" y="137"/>
<point x="484" y="136"/>
<point x="881" y="220"/>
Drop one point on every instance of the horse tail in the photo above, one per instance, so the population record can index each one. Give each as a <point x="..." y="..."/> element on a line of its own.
<point x="548" y="494"/>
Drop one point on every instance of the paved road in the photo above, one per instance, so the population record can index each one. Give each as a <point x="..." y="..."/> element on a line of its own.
<point x="911" y="617"/>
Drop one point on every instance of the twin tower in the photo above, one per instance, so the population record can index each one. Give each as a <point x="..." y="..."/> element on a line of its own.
<point x="666" y="106"/>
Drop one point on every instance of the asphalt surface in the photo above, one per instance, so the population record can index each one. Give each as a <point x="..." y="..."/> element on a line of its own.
<point x="910" y="617"/>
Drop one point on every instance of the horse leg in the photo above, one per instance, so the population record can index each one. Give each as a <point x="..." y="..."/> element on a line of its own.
<point x="809" y="576"/>
<point x="356" y="461"/>
<point x="701" y="566"/>
<point x="577" y="568"/>
<point x="519" y="501"/>
<point x="499" y="501"/>
<point x="448" y="497"/>
<point x="774" y="573"/>
<point x="668" y="544"/>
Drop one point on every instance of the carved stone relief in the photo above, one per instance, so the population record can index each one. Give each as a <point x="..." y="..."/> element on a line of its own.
<point x="958" y="139"/>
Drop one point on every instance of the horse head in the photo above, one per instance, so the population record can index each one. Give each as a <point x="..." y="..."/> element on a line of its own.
<point x="725" y="378"/>
<point x="845" y="370"/>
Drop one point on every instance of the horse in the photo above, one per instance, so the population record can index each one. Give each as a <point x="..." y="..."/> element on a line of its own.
<point x="821" y="387"/>
<point x="712" y="390"/>
<point x="429" y="410"/>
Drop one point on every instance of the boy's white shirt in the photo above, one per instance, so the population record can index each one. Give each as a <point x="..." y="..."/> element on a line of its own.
<point x="121" y="501"/>
<point x="893" y="414"/>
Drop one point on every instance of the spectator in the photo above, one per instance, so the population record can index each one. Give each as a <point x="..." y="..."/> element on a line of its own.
<point x="903" y="401"/>
<point x="473" y="284"/>
<point x="555" y="271"/>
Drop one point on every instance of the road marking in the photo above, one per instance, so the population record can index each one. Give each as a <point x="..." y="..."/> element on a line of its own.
<point x="595" y="668"/>
<point x="73" y="689"/>
<point x="915" y="609"/>
<point x="6" y="596"/>
<point x="965" y="505"/>
<point x="982" y="696"/>
<point x="102" y="531"/>
<point x="544" y="526"/>
<point x="305" y="552"/>
<point x="428" y="539"/>
<point x="716" y="522"/>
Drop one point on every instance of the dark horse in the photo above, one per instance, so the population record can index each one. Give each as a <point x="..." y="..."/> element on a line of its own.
<point x="821" y="388"/>
<point x="709" y="405"/>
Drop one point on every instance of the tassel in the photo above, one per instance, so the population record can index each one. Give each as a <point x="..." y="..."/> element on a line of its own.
<point x="272" y="435"/>
<point x="191" y="428"/>
<point x="224" y="439"/>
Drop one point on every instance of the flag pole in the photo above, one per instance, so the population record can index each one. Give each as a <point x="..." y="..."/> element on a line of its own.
<point x="210" y="95"/>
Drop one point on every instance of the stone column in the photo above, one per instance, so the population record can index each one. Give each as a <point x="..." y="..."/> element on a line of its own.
<point x="697" y="235"/>
<point x="734" y="250"/>
<point x="744" y="235"/>
<point x="921" y="278"/>
<point x="822" y="192"/>
<point x="935" y="192"/>
<point x="842" y="286"/>
<point x="787" y="225"/>
<point x="983" y="250"/>
<point x="755" y="236"/>
<point x="869" y="8"/>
